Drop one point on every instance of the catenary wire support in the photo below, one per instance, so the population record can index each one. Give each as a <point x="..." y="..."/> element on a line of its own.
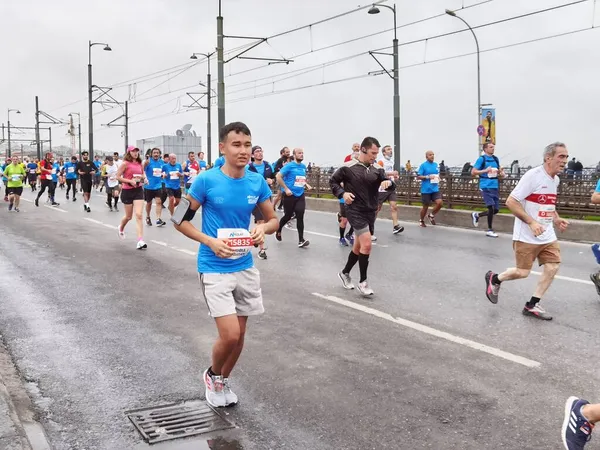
<point x="379" y="62"/>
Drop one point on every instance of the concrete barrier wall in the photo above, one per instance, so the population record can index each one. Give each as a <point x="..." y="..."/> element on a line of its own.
<point x="579" y="230"/>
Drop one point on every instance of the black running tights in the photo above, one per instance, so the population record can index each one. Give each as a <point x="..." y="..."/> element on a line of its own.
<point x="294" y="205"/>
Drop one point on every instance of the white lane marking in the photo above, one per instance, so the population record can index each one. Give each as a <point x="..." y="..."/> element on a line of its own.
<point x="433" y="332"/>
<point x="54" y="208"/>
<point x="561" y="277"/>
<point x="183" y="250"/>
<point x="164" y="244"/>
<point x="112" y="227"/>
<point x="93" y="220"/>
<point x="26" y="200"/>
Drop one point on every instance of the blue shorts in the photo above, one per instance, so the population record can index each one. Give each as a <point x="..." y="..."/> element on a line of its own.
<point x="491" y="197"/>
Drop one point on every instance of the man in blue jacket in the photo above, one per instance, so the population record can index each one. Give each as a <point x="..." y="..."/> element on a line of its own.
<point x="262" y="167"/>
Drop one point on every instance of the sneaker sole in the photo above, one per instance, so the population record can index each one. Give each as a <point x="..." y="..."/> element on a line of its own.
<point x="595" y="283"/>
<point x="206" y="391"/>
<point x="568" y="406"/>
<point x="530" y="314"/>
<point x="347" y="287"/>
<point x="493" y="237"/>
<point x="486" y="289"/>
<point x="398" y="231"/>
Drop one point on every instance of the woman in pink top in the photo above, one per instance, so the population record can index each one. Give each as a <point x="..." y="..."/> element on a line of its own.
<point x="131" y="176"/>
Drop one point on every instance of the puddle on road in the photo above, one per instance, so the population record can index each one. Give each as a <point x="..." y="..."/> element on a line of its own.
<point x="195" y="443"/>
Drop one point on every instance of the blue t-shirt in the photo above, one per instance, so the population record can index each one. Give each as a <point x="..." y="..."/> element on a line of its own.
<point x="3" y="169"/>
<point x="598" y="186"/>
<point x="219" y="162"/>
<point x="260" y="169"/>
<point x="55" y="172"/>
<point x="226" y="203"/>
<point x="294" y="177"/>
<point x="429" y="168"/>
<point x="485" y="182"/>
<point x="153" y="172"/>
<point x="71" y="170"/>
<point x="172" y="170"/>
<point x="32" y="168"/>
<point x="98" y="164"/>
<point x="203" y="165"/>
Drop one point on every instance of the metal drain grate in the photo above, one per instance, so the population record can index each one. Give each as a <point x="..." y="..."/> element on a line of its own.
<point x="174" y="421"/>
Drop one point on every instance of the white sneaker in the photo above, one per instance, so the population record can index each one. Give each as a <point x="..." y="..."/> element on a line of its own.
<point x="121" y="232"/>
<point x="475" y="217"/>
<point x="373" y="238"/>
<point x="141" y="245"/>
<point x="231" y="398"/>
<point x="214" y="390"/>
<point x="364" y="289"/>
<point x="346" y="280"/>
<point x="490" y="233"/>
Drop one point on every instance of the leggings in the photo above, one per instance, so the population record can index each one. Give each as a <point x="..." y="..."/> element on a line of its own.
<point x="490" y="215"/>
<point x="72" y="183"/>
<point x="294" y="205"/>
<point x="51" y="188"/>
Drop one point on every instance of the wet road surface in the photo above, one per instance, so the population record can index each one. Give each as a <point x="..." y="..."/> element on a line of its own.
<point x="97" y="328"/>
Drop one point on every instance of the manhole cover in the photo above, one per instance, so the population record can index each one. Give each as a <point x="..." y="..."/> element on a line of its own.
<point x="174" y="421"/>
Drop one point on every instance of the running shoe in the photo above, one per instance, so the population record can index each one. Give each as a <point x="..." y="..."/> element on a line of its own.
<point x="595" y="277"/>
<point x="141" y="245"/>
<point x="278" y="235"/>
<point x="37" y="202"/>
<point x="148" y="221"/>
<point x="288" y="225"/>
<point x="214" y="390"/>
<point x="121" y="232"/>
<point x="231" y="399"/>
<point x="350" y="238"/>
<point x="10" y="206"/>
<point x="116" y="209"/>
<point x="536" y="311"/>
<point x="431" y="218"/>
<point x="262" y="254"/>
<point x="343" y="242"/>
<point x="85" y="208"/>
<point x="160" y="223"/>
<point x="67" y="196"/>
<point x="398" y="229"/>
<point x="346" y="280"/>
<point x="491" y="289"/>
<point x="280" y="209"/>
<point x="55" y="204"/>
<point x="110" y="209"/>
<point x="422" y="224"/>
<point x="373" y="238"/>
<point x="364" y="289"/>
<point x="491" y="234"/>
<point x="596" y="252"/>
<point x="303" y="243"/>
<point x="17" y="210"/>
<point x="475" y="217"/>
<point x="74" y="199"/>
<point x="88" y="209"/>
<point x="576" y="429"/>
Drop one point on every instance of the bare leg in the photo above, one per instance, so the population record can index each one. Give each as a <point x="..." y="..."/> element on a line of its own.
<point x="438" y="206"/>
<point x="548" y="274"/>
<point x="127" y="217"/>
<point x="394" y="208"/>
<point x="591" y="412"/>
<point x="17" y="200"/>
<point x="227" y="342"/>
<point x="513" y="274"/>
<point x="138" y="206"/>
<point x="159" y="207"/>
<point x="423" y="212"/>
<point x="237" y="350"/>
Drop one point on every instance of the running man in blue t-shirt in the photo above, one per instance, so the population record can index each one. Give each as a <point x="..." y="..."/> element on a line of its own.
<point x="153" y="187"/>
<point x="230" y="282"/>
<point x="489" y="170"/>
<point x="292" y="178"/>
<point x="32" y="169"/>
<point x="429" y="174"/>
<point x="172" y="174"/>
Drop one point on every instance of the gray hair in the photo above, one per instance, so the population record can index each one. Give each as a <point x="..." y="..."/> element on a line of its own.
<point x="550" y="150"/>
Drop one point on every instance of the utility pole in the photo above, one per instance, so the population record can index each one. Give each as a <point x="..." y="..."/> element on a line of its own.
<point x="37" y="129"/>
<point x="126" y="125"/>
<point x="208" y="122"/>
<point x="220" y="71"/>
<point x="90" y="104"/>
<point x="8" y="155"/>
<point x="79" y="132"/>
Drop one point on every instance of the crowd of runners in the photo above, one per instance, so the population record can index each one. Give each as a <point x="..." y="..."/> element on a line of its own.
<point x="242" y="186"/>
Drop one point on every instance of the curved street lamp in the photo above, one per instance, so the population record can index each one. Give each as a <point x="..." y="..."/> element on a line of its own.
<point x="208" y="105"/>
<point x="9" y="154"/>
<point x="90" y="93"/>
<point x="453" y="14"/>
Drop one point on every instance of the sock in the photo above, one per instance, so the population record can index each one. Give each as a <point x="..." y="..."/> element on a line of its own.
<point x="211" y="373"/>
<point x="495" y="279"/>
<point x="490" y="217"/>
<point x="350" y="231"/>
<point x="352" y="260"/>
<point x="363" y="264"/>
<point x="531" y="303"/>
<point x="342" y="231"/>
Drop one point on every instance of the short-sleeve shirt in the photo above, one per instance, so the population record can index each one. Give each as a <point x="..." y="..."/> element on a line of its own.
<point x="219" y="162"/>
<point x="537" y="192"/>
<point x="172" y="179"/>
<point x="32" y="168"/>
<point x="153" y="172"/>
<point x="429" y="186"/>
<point x="294" y="177"/>
<point x="14" y="175"/>
<point x="487" y="181"/>
<point x="55" y="172"/>
<point x="598" y="186"/>
<point x="227" y="203"/>
<point x="86" y="167"/>
<point x="71" y="170"/>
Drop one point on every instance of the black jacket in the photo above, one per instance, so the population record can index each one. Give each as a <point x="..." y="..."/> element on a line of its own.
<point x="268" y="171"/>
<point x="361" y="180"/>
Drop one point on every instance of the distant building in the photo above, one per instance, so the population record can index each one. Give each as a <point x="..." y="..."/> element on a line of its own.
<point x="183" y="142"/>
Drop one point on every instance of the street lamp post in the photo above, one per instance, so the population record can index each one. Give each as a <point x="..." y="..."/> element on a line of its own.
<point x="375" y="10"/>
<point x="220" y="71"/>
<point x="9" y="154"/>
<point x="90" y="93"/>
<point x="208" y="106"/>
<point x="78" y="131"/>
<point x="453" y="14"/>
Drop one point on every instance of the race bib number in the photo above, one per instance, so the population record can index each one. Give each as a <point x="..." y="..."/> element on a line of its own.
<point x="48" y="177"/>
<point x="238" y="239"/>
<point x="156" y="172"/>
<point x="16" y="177"/>
<point x="32" y="171"/>
<point x="53" y="171"/>
<point x="300" y="181"/>
<point x="71" y="170"/>
<point x="137" y="177"/>
<point x="546" y="214"/>
<point x="435" y="179"/>
<point x="174" y="175"/>
<point x="493" y="173"/>
<point x="193" y="173"/>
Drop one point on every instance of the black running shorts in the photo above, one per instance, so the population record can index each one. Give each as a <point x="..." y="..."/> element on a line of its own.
<point x="129" y="195"/>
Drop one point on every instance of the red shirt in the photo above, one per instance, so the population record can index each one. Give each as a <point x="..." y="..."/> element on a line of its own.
<point x="348" y="158"/>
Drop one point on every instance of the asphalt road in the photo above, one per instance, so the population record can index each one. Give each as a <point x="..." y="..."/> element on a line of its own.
<point x="97" y="328"/>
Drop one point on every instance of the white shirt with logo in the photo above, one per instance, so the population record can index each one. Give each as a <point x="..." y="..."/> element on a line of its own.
<point x="537" y="192"/>
<point x="388" y="166"/>
<point x="111" y="174"/>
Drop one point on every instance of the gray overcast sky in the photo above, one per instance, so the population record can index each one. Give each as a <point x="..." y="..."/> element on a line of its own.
<point x="543" y="91"/>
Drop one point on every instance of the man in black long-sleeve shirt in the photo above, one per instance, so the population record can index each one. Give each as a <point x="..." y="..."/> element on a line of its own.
<point x="358" y="182"/>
